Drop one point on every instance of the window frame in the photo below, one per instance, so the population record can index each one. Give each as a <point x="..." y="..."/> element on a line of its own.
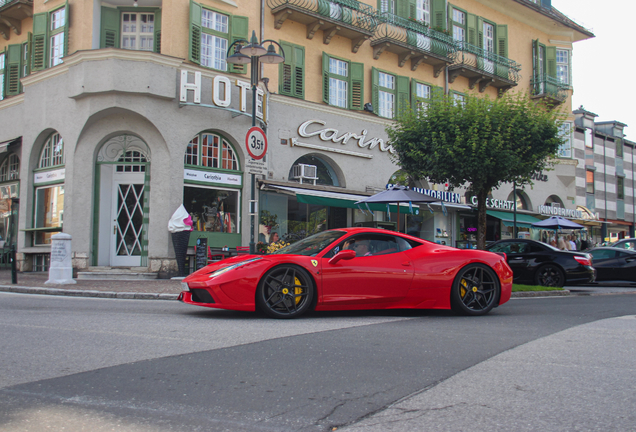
<point x="565" y="149"/>
<point x="453" y="23"/>
<point x="45" y="231"/>
<point x="568" y="64"/>
<point x="51" y="156"/>
<point x="137" y="34"/>
<point x="355" y="82"/>
<point x="59" y="34"/>
<point x="220" y="158"/>
<point x="7" y="173"/>
<point x="590" y="187"/>
<point x="620" y="187"/>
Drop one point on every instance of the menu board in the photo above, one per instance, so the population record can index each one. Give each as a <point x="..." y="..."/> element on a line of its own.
<point x="201" y="257"/>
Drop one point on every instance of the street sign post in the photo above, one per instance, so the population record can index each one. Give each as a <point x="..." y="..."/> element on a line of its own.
<point x="256" y="143"/>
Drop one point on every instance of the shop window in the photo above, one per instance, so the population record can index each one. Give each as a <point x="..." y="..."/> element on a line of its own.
<point x="7" y="230"/>
<point x="53" y="152"/>
<point x="211" y="151"/>
<point x="10" y="168"/>
<point x="212" y="209"/>
<point x="49" y="211"/>
<point x="325" y="174"/>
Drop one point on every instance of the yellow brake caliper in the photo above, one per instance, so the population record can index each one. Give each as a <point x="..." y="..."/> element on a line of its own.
<point x="463" y="286"/>
<point x="298" y="289"/>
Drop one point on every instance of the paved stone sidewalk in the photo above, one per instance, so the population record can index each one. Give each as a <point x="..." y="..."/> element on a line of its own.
<point x="164" y="289"/>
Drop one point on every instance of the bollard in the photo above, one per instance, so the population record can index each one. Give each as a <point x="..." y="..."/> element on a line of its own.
<point x="14" y="266"/>
<point x="60" y="267"/>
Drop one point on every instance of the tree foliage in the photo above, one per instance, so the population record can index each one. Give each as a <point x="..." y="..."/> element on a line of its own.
<point x="481" y="142"/>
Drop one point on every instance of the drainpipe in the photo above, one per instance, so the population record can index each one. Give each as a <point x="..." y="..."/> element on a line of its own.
<point x="262" y="33"/>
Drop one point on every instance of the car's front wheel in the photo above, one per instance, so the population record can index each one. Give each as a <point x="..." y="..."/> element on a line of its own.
<point x="475" y="291"/>
<point x="286" y="291"/>
<point x="549" y="275"/>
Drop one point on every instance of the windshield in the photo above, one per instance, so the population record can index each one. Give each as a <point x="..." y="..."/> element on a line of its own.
<point x="312" y="245"/>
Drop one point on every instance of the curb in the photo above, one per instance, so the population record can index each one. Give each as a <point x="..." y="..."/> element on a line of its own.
<point x="88" y="293"/>
<point x="560" y="293"/>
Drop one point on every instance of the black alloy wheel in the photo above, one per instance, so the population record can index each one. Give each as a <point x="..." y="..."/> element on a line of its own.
<point x="285" y="291"/>
<point x="549" y="275"/>
<point x="475" y="291"/>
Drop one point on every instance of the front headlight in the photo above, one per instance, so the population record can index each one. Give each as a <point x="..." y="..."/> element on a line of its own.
<point x="233" y="266"/>
<point x="184" y="286"/>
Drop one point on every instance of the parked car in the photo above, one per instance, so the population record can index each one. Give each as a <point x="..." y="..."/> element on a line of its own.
<point x="354" y="268"/>
<point x="537" y="263"/>
<point x="614" y="264"/>
<point x="627" y="243"/>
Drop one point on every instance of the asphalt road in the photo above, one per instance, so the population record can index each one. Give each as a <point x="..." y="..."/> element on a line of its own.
<point x="131" y="365"/>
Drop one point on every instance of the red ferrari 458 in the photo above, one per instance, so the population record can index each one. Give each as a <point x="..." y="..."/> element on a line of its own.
<point x="354" y="268"/>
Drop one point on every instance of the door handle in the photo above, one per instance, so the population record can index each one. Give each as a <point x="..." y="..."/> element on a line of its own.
<point x="114" y="229"/>
<point x="406" y="263"/>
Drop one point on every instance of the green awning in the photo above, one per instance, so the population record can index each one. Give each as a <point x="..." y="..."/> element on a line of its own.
<point x="523" y="220"/>
<point x="346" y="203"/>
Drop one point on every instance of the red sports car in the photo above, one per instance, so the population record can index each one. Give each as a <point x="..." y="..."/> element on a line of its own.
<point x="354" y="268"/>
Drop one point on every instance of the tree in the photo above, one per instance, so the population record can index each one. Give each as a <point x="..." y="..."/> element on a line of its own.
<point x="481" y="141"/>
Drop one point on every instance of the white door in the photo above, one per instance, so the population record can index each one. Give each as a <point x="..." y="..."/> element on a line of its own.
<point x="127" y="219"/>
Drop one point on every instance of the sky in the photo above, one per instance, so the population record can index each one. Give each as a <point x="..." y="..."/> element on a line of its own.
<point x="604" y="67"/>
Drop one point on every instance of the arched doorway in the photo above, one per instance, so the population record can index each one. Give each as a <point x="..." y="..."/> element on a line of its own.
<point x="122" y="230"/>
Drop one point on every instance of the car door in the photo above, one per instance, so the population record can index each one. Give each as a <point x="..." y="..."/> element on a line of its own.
<point x="606" y="264"/>
<point x="626" y="260"/>
<point x="517" y="254"/>
<point x="380" y="277"/>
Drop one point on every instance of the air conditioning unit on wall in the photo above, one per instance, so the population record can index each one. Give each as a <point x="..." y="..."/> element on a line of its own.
<point x="305" y="172"/>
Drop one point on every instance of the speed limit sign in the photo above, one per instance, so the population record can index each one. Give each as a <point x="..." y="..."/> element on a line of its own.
<point x="256" y="142"/>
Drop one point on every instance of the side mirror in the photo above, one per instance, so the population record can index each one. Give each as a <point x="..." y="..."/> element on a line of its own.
<point x="342" y="255"/>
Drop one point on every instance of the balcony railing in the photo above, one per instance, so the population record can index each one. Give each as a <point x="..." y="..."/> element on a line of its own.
<point x="349" y="18"/>
<point x="412" y="40"/>
<point x="545" y="86"/>
<point x="483" y="67"/>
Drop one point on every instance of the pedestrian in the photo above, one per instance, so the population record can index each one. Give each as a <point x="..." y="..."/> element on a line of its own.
<point x="561" y="244"/>
<point x="572" y="243"/>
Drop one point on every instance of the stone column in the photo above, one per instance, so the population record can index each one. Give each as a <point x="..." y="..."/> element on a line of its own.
<point x="60" y="267"/>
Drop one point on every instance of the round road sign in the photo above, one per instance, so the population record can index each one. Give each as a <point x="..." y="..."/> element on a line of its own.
<point x="256" y="142"/>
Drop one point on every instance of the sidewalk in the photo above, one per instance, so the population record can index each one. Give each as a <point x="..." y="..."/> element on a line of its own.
<point x="34" y="283"/>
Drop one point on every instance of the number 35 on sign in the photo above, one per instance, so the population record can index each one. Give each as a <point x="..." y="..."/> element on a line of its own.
<point x="256" y="143"/>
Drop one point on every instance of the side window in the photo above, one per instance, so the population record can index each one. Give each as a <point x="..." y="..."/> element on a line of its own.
<point x="368" y="245"/>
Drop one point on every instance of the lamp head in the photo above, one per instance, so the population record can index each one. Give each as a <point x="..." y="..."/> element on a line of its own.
<point x="253" y="48"/>
<point x="272" y="57"/>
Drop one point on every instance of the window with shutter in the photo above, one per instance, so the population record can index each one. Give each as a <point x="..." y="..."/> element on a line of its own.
<point x="57" y="25"/>
<point x="343" y="82"/>
<point x="390" y="93"/>
<point x="12" y="67"/>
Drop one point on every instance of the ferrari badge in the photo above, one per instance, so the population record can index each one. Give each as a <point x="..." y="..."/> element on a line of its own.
<point x="314" y="262"/>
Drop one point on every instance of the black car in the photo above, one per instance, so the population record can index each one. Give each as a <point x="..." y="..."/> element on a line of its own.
<point x="626" y="243"/>
<point x="537" y="263"/>
<point x="614" y="264"/>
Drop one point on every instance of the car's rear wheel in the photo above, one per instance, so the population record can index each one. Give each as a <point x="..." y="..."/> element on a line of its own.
<point x="549" y="275"/>
<point x="475" y="291"/>
<point x="286" y="291"/>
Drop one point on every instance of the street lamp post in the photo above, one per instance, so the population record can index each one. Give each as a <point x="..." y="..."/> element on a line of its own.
<point x="253" y="53"/>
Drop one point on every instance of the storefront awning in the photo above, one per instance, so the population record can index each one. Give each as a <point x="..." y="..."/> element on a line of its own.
<point x="345" y="200"/>
<point x="508" y="219"/>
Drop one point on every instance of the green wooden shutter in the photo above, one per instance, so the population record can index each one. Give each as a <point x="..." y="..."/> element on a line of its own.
<point x="471" y="24"/>
<point x="325" y="78"/>
<point x="67" y="20"/>
<point x="412" y="13"/>
<point x="437" y="92"/>
<point x="285" y="71"/>
<point x="550" y="57"/>
<point x="109" y="37"/>
<point x="375" y="89"/>
<point x="502" y="40"/>
<point x="40" y="36"/>
<point x="403" y="9"/>
<point x="195" y="33"/>
<point x="403" y="96"/>
<point x="12" y="69"/>
<point x="438" y="14"/>
<point x="157" y="40"/>
<point x="414" y="98"/>
<point x="3" y="79"/>
<point x="239" y="30"/>
<point x="298" y="72"/>
<point x="480" y="32"/>
<point x="357" y="86"/>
